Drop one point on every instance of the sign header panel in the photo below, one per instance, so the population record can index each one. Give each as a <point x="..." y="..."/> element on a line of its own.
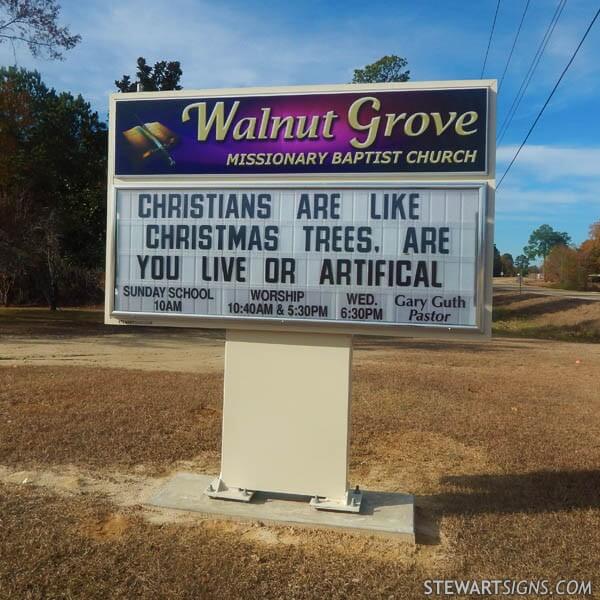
<point x="404" y="131"/>
<point x="369" y="255"/>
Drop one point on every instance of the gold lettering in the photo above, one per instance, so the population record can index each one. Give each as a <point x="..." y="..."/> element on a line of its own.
<point x="447" y="156"/>
<point x="264" y="123"/>
<point x="328" y="124"/>
<point x="217" y="118"/>
<point x="440" y="126"/>
<point x="371" y="127"/>
<point x="311" y="132"/>
<point x="392" y="120"/>
<point x="244" y="129"/>
<point x="408" y="127"/>
<point x="470" y="156"/>
<point x="464" y="121"/>
<point x="278" y="123"/>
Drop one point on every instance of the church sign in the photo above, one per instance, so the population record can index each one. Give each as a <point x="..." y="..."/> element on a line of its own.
<point x="376" y="131"/>
<point x="358" y="209"/>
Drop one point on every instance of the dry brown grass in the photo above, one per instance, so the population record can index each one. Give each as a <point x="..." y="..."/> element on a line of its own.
<point x="501" y="444"/>
<point x="79" y="548"/>
<point x="41" y="321"/>
<point x="516" y="315"/>
<point x="546" y="317"/>
<point x="79" y="322"/>
<point x="107" y="418"/>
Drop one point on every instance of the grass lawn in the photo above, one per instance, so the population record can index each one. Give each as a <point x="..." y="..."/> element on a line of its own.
<point x="501" y="446"/>
<point x="500" y="443"/>
<point x="515" y="315"/>
<point x="546" y="317"/>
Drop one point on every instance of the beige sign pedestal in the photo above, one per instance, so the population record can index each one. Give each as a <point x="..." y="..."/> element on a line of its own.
<point x="286" y="418"/>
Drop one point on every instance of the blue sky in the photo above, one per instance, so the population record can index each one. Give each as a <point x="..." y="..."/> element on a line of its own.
<point x="556" y="179"/>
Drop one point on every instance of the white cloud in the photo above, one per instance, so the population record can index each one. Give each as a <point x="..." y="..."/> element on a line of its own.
<point x="217" y="46"/>
<point x="549" y="182"/>
<point x="521" y="198"/>
<point x="231" y="44"/>
<point x="550" y="163"/>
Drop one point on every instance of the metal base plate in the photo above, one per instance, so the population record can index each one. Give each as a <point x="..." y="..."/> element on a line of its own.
<point x="351" y="502"/>
<point x="217" y="489"/>
<point x="382" y="513"/>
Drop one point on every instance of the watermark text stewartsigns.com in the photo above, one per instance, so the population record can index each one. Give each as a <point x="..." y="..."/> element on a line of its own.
<point x="506" y="587"/>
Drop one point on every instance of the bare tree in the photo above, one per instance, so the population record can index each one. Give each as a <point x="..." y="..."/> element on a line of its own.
<point x="17" y="223"/>
<point x="50" y="260"/>
<point x="35" y="23"/>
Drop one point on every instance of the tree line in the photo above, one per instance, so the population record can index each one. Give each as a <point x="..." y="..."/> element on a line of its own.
<point x="575" y="267"/>
<point x="563" y="263"/>
<point x="52" y="192"/>
<point x="53" y="153"/>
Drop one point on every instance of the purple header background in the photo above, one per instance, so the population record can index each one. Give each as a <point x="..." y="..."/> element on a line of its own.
<point x="192" y="157"/>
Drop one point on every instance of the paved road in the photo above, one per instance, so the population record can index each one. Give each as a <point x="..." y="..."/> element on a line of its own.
<point x="542" y="291"/>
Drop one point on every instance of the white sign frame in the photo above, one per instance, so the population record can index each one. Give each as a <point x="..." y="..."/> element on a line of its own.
<point x="486" y="185"/>
<point x="271" y="454"/>
<point x="340" y="326"/>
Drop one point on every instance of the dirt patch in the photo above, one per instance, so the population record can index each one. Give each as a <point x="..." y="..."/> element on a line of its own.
<point x="136" y="350"/>
<point x="34" y="336"/>
<point x="31" y="336"/>
<point x="85" y="547"/>
<point x="110" y="527"/>
<point x="416" y="460"/>
<point x="48" y="555"/>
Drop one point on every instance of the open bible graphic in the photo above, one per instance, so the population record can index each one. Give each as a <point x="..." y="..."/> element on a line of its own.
<point x="150" y="138"/>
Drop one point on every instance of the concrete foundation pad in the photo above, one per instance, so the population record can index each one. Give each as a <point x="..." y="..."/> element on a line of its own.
<point x="382" y="513"/>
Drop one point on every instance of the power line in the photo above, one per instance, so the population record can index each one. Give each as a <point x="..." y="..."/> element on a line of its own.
<point x="549" y="97"/>
<point x="531" y="70"/>
<point x="514" y="44"/>
<point x="490" y="40"/>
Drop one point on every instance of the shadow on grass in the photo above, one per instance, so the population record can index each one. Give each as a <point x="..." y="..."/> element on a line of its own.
<point x="377" y="343"/>
<point x="585" y="331"/>
<point x="535" y="310"/>
<point x="67" y="324"/>
<point x="504" y="299"/>
<point x="523" y="493"/>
